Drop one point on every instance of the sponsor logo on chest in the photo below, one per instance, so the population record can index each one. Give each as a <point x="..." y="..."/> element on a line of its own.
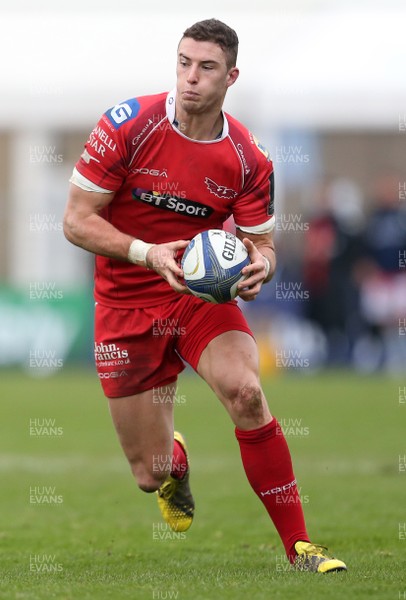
<point x="172" y="203"/>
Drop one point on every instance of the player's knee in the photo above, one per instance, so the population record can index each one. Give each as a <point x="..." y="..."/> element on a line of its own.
<point x="246" y="401"/>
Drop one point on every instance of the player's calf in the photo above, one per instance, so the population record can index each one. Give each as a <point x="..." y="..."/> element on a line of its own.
<point x="151" y="474"/>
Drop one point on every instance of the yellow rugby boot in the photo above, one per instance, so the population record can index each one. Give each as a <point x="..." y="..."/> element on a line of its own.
<point x="314" y="558"/>
<point x="175" y="499"/>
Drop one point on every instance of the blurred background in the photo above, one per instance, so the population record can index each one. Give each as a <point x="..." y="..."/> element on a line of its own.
<point x="322" y="85"/>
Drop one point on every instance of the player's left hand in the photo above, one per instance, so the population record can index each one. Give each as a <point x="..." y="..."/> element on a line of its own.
<point x="249" y="289"/>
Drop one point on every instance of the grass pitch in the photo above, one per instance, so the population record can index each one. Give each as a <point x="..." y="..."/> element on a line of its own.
<point x="95" y="536"/>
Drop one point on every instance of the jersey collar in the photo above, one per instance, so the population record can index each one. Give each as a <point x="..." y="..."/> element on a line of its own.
<point x="170" y="113"/>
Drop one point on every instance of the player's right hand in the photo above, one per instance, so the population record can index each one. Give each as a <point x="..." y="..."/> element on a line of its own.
<point x="162" y="259"/>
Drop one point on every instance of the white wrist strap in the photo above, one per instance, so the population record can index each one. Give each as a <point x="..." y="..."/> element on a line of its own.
<point x="137" y="253"/>
<point x="267" y="266"/>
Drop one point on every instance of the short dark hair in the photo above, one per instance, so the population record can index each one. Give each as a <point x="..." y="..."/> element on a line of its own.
<point x="213" y="30"/>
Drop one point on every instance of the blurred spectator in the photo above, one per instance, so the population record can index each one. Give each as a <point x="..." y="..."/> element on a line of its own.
<point x="333" y="245"/>
<point x="354" y="270"/>
<point x="385" y="234"/>
<point x="382" y="278"/>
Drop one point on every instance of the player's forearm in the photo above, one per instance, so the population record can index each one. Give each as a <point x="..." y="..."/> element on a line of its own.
<point x="95" y="234"/>
<point x="267" y="249"/>
<point x="264" y="244"/>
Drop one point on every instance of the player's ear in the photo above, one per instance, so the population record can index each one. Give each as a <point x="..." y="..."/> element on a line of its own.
<point x="232" y="76"/>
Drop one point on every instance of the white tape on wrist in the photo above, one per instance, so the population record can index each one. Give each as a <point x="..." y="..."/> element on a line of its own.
<point x="137" y="252"/>
<point x="267" y="266"/>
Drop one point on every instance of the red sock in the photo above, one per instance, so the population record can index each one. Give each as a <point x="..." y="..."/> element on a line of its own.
<point x="179" y="461"/>
<point x="268" y="466"/>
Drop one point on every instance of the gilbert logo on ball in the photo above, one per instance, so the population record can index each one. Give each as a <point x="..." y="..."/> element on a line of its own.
<point x="212" y="265"/>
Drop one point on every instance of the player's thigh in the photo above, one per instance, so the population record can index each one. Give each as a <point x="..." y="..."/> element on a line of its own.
<point x="229" y="364"/>
<point x="202" y="322"/>
<point x="144" y="425"/>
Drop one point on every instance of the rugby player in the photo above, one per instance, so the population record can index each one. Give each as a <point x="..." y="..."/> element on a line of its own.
<point x="156" y="170"/>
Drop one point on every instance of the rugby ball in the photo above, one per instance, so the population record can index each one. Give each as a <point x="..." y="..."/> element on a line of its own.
<point x="212" y="264"/>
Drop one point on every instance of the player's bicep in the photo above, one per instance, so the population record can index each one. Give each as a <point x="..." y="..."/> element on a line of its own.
<point x="82" y="203"/>
<point x="253" y="210"/>
<point x="80" y="208"/>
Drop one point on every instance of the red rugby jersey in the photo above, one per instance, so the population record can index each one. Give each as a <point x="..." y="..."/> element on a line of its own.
<point x="169" y="187"/>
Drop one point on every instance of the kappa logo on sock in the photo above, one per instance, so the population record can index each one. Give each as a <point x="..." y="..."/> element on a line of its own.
<point x="278" y="490"/>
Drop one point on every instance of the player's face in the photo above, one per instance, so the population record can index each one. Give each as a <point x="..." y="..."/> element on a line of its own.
<point x="202" y="76"/>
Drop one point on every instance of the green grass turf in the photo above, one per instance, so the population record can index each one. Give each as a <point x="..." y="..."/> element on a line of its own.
<point x="346" y="435"/>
